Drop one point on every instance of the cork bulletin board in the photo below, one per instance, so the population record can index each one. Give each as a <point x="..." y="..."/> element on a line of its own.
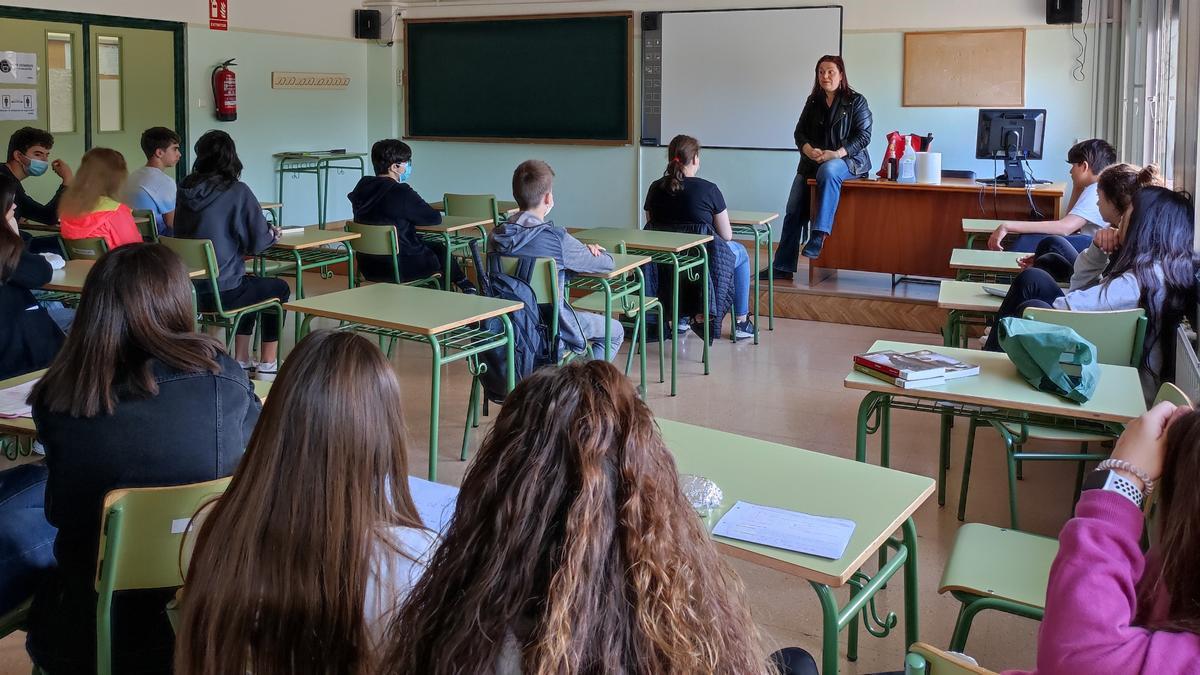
<point x="970" y="68"/>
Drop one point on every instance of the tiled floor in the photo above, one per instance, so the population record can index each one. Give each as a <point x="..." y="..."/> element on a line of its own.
<point x="788" y="389"/>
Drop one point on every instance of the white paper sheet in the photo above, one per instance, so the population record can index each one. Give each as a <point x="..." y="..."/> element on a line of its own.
<point x="788" y="530"/>
<point x="435" y="502"/>
<point x="12" y="400"/>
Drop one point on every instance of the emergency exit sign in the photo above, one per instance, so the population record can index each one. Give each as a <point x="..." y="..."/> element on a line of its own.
<point x="218" y="14"/>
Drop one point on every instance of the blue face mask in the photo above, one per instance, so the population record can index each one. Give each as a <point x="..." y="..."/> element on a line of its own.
<point x="37" y="167"/>
<point x="403" y="177"/>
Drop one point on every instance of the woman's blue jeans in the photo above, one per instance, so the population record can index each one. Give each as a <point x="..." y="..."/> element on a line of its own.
<point x="26" y="539"/>
<point x="830" y="177"/>
<point x="741" y="278"/>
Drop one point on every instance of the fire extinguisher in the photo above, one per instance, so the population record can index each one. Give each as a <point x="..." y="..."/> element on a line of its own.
<point x="224" y="86"/>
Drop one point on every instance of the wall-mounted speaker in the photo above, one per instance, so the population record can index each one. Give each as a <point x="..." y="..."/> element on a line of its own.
<point x="366" y="24"/>
<point x="1064" y="11"/>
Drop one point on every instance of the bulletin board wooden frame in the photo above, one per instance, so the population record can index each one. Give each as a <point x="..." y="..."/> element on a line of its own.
<point x="968" y="68"/>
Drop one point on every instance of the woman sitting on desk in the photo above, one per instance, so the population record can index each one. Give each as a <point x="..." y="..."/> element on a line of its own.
<point x="833" y="134"/>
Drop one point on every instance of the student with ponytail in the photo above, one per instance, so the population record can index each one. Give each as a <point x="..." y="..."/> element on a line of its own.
<point x="681" y="198"/>
<point x="574" y="551"/>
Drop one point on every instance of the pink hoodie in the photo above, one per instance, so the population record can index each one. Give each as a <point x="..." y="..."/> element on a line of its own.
<point x="1091" y="600"/>
<point x="111" y="220"/>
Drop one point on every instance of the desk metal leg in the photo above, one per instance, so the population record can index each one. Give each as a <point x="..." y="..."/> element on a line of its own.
<point x="608" y="355"/>
<point x="675" y="320"/>
<point x="707" y="324"/>
<point x="435" y="404"/>
<point x="770" y="285"/>
<point x="869" y="405"/>
<point x="829" y="629"/>
<point x="944" y="457"/>
<point x="911" y="615"/>
<point x="641" y="317"/>
<point x="509" y="352"/>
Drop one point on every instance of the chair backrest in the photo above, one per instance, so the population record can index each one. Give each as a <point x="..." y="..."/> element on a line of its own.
<point x="474" y="206"/>
<point x="377" y="240"/>
<point x="543" y="280"/>
<point x="90" y="248"/>
<point x="1169" y="392"/>
<point x="925" y="660"/>
<point x="198" y="254"/>
<point x="1118" y="335"/>
<point x="149" y="227"/>
<point x="141" y="532"/>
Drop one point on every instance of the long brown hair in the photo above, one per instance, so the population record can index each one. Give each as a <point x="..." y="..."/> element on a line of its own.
<point x="11" y="243"/>
<point x="680" y="153"/>
<point x="1120" y="182"/>
<point x="572" y="536"/>
<point x="279" y="574"/>
<point x="844" y="89"/>
<point x="101" y="173"/>
<point x="135" y="307"/>
<point x="1178" y="546"/>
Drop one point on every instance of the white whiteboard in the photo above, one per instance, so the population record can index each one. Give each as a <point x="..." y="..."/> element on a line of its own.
<point x="739" y="78"/>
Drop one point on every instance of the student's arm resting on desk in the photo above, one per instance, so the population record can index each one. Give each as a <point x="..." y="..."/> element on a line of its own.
<point x="257" y="235"/>
<point x="578" y="258"/>
<point x="1122" y="292"/>
<point x="1091" y="599"/>
<point x="418" y="211"/>
<point x="31" y="209"/>
<point x="32" y="271"/>
<point x="1088" y="267"/>
<point x="1068" y="224"/>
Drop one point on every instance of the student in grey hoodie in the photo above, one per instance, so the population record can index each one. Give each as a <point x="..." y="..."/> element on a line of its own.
<point x="214" y="204"/>
<point x="1154" y="268"/>
<point x="528" y="233"/>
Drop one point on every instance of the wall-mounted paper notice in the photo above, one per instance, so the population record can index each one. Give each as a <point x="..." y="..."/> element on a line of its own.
<point x="18" y="68"/>
<point x="18" y="104"/>
<point x="788" y="530"/>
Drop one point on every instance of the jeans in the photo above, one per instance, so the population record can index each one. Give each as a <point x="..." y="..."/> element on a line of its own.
<point x="1056" y="255"/>
<point x="592" y="327"/>
<point x="741" y="278"/>
<point x="1032" y="288"/>
<point x="26" y="539"/>
<point x="1028" y="243"/>
<point x="830" y="177"/>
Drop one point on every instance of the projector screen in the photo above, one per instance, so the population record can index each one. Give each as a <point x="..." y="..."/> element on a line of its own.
<point x="739" y="78"/>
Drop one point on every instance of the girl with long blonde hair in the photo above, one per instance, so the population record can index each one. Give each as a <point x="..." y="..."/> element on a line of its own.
<point x="91" y="206"/>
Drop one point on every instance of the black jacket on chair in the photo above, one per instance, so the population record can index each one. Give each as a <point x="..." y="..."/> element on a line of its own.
<point x="846" y="124"/>
<point x="29" y="338"/>
<point x="691" y="300"/>
<point x="194" y="430"/>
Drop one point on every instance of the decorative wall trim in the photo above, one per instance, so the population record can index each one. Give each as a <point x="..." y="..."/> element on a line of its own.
<point x="285" y="80"/>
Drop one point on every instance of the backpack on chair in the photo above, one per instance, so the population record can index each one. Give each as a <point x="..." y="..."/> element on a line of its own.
<point x="531" y="334"/>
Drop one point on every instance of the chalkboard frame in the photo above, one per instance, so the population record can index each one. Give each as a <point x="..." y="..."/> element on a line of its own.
<point x="629" y="94"/>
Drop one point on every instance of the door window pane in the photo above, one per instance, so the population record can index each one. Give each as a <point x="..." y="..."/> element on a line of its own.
<point x="60" y="82"/>
<point x="108" y="61"/>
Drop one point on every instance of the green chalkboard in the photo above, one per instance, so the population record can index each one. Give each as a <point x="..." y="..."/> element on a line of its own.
<point x="542" y="78"/>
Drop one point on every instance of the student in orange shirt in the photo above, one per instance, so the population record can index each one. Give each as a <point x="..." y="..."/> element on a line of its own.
<point x="90" y="207"/>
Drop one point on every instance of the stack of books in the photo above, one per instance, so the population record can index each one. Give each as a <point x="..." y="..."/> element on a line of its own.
<point x="909" y="370"/>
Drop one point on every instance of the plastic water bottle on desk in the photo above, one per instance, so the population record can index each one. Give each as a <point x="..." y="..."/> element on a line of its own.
<point x="908" y="169"/>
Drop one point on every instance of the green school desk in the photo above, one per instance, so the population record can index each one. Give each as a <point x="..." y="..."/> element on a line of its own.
<point x="274" y="210"/>
<point x="505" y="207"/>
<point x="758" y="225"/>
<point x="776" y="475"/>
<point x="317" y="164"/>
<point x="309" y="248"/>
<point x="972" y="264"/>
<point x="616" y="286"/>
<point x="998" y="393"/>
<point x="685" y="253"/>
<point x="979" y="228"/>
<point x="70" y="278"/>
<point x="16" y="432"/>
<point x="440" y="319"/>
<point x="968" y="305"/>
<point x="454" y="233"/>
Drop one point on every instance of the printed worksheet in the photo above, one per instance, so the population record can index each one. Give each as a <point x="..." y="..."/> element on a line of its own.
<point x="788" y="530"/>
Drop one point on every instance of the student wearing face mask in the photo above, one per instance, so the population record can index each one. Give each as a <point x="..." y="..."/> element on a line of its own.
<point x="387" y="199"/>
<point x="29" y="155"/>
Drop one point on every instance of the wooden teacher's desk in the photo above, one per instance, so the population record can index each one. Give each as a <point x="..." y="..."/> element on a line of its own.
<point x="912" y="228"/>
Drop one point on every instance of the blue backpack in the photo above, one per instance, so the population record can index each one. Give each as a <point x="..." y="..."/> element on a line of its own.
<point x="531" y="334"/>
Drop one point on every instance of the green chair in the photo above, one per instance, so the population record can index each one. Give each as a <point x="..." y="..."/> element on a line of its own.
<point x="148" y="228"/>
<point x="90" y="248"/>
<point x="1118" y="336"/>
<point x="381" y="240"/>
<point x="1006" y="570"/>
<point x="15" y="619"/>
<point x="626" y="312"/>
<point x="925" y="660"/>
<point x="474" y="206"/>
<point x="198" y="254"/>
<point x="140" y="538"/>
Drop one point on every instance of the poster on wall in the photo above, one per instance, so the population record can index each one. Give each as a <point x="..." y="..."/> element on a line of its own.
<point x="18" y="68"/>
<point x="218" y="14"/>
<point x="18" y="104"/>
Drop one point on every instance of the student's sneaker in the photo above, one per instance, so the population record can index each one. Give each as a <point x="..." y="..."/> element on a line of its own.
<point x="816" y="242"/>
<point x="984" y="338"/>
<point x="714" y="329"/>
<point x="249" y="367"/>
<point x="265" y="372"/>
<point x="681" y="326"/>
<point x="466" y="287"/>
<point x="743" y="330"/>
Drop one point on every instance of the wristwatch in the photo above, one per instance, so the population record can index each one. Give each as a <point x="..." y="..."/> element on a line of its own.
<point x="1114" y="482"/>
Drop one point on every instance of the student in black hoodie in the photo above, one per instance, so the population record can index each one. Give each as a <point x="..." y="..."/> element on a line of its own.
<point x="29" y="155"/>
<point x="214" y="204"/>
<point x="386" y="199"/>
<point x="29" y="338"/>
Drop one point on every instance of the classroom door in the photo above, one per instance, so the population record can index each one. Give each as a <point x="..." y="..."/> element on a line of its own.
<point x="133" y="87"/>
<point x="57" y="99"/>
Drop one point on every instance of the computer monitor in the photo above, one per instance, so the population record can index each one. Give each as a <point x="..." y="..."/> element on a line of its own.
<point x="1013" y="136"/>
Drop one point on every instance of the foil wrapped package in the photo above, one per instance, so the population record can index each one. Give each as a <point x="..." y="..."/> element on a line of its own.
<point x="702" y="493"/>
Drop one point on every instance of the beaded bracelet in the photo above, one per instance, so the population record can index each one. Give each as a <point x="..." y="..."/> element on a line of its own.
<point x="1122" y="465"/>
